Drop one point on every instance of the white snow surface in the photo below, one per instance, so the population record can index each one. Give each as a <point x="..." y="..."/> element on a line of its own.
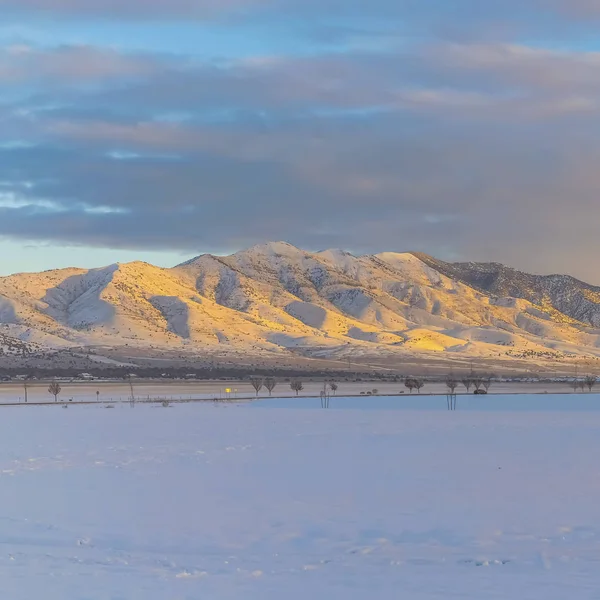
<point x="263" y="502"/>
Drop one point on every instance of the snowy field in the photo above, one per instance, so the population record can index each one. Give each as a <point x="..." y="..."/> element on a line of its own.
<point x="282" y="500"/>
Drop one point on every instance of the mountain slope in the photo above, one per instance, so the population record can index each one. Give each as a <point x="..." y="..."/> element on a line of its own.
<point x="562" y="293"/>
<point x="275" y="297"/>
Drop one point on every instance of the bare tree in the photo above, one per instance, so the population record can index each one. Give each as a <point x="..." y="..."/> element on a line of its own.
<point x="576" y="384"/>
<point x="257" y="384"/>
<point x="410" y="383"/>
<point x="54" y="389"/>
<point x="487" y="382"/>
<point x="333" y="386"/>
<point x="451" y="384"/>
<point x="25" y="388"/>
<point x="325" y="395"/>
<point x="297" y="386"/>
<point x="591" y="381"/>
<point x="419" y="384"/>
<point x="132" y="397"/>
<point x="467" y="382"/>
<point x="270" y="384"/>
<point x="477" y="381"/>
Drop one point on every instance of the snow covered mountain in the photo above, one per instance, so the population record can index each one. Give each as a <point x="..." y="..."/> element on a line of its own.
<point x="275" y="297"/>
<point x="566" y="294"/>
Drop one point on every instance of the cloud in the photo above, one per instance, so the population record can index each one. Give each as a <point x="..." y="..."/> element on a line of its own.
<point x="26" y="64"/>
<point x="439" y="127"/>
<point x="449" y="19"/>
<point x="579" y="8"/>
<point x="138" y="9"/>
<point x="522" y="65"/>
<point x="475" y="79"/>
<point x="383" y="185"/>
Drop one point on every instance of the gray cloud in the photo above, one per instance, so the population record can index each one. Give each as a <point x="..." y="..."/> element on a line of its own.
<point x="433" y="187"/>
<point x="138" y="9"/>
<point x="26" y="64"/>
<point x="449" y="19"/>
<point x="475" y="77"/>
<point x="442" y="142"/>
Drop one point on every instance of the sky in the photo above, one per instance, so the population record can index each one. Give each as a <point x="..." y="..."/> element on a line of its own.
<point x="161" y="129"/>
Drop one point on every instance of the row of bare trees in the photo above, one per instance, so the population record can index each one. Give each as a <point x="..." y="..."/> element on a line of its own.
<point x="258" y="383"/>
<point x="269" y="383"/>
<point x="414" y="383"/>
<point x="298" y="386"/>
<point x="479" y="382"/>
<point x="588" y="381"/>
<point x="474" y="380"/>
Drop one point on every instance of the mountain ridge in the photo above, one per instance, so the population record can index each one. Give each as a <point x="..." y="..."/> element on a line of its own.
<point x="500" y="280"/>
<point x="275" y="297"/>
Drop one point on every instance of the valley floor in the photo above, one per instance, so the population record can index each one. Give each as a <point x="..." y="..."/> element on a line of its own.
<point x="119" y="391"/>
<point x="259" y="502"/>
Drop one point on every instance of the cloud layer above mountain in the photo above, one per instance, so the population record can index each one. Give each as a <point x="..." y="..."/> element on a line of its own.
<point x="462" y="128"/>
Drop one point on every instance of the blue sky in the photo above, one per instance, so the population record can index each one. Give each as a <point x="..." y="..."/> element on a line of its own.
<point x="160" y="129"/>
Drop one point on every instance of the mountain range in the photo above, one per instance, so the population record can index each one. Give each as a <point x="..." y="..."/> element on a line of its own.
<point x="275" y="297"/>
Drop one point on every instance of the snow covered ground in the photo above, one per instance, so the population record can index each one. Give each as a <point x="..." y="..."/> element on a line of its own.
<point x="262" y="502"/>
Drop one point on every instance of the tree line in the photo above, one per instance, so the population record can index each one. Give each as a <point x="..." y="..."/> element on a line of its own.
<point x="474" y="380"/>
<point x="270" y="383"/>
